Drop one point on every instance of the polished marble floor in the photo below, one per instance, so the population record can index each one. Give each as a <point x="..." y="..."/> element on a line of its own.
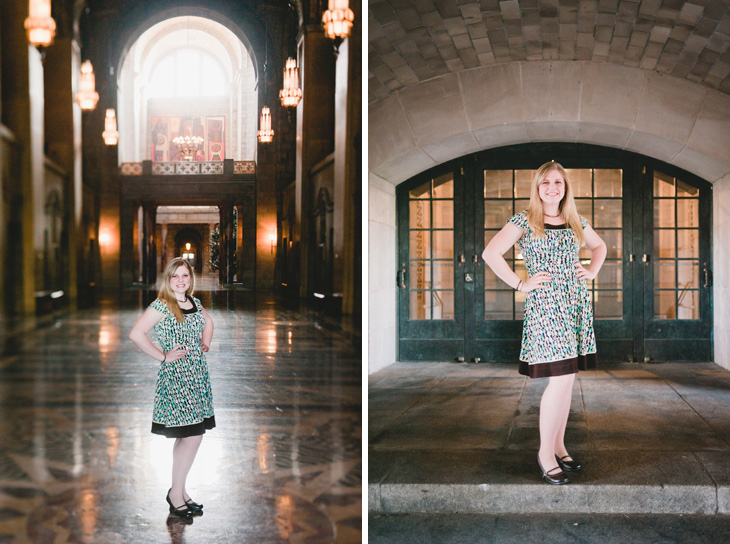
<point x="78" y="462"/>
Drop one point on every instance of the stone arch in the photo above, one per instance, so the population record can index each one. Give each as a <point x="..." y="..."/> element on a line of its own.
<point x="671" y="119"/>
<point x="193" y="237"/>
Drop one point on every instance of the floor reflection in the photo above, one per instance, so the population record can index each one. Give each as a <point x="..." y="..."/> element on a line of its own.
<point x="78" y="463"/>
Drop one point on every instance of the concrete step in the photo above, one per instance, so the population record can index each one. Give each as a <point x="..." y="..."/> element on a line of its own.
<point x="503" y="481"/>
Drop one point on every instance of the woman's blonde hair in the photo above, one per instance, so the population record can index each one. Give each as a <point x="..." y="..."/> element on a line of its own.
<point x="566" y="209"/>
<point x="167" y="294"/>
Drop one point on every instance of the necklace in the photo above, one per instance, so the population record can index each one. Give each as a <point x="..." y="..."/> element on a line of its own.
<point x="183" y="300"/>
<point x="553" y="216"/>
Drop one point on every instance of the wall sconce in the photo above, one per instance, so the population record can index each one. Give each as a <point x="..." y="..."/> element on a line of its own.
<point x="103" y="238"/>
<point x="266" y="134"/>
<point x="40" y="26"/>
<point x="110" y="134"/>
<point x="87" y="97"/>
<point x="187" y="246"/>
<point x="291" y="94"/>
<point x="272" y="240"/>
<point x="337" y="21"/>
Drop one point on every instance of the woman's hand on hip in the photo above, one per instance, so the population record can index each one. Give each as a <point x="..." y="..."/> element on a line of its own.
<point x="205" y="347"/>
<point x="583" y="273"/>
<point x="178" y="352"/>
<point x="540" y="280"/>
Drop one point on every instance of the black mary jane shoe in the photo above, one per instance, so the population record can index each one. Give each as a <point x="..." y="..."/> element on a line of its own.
<point x="182" y="512"/>
<point x="568" y="466"/>
<point x="553" y="477"/>
<point x="194" y="506"/>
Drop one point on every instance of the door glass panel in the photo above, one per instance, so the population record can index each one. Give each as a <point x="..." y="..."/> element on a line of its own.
<point x="496" y="213"/>
<point x="608" y="304"/>
<point x="431" y="250"/>
<point x="610" y="275"/>
<point x="607" y="183"/>
<point x="498" y="305"/>
<point x="676" y="248"/>
<point x="614" y="243"/>
<point x="490" y="279"/>
<point x="443" y="214"/>
<point x="521" y="204"/>
<point x="498" y="184"/>
<point x="608" y="213"/>
<point x="523" y="183"/>
<point x="585" y="207"/>
<point x="419" y="214"/>
<point x="581" y="182"/>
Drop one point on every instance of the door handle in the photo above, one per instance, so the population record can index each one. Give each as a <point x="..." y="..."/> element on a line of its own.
<point x="475" y="259"/>
<point x="708" y="277"/>
<point x="401" y="278"/>
<point x="645" y="258"/>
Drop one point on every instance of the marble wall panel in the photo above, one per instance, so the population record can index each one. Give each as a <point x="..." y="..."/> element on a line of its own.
<point x="721" y="271"/>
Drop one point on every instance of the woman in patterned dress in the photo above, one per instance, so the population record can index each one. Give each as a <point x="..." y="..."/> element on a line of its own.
<point x="557" y="337"/>
<point x="183" y="407"/>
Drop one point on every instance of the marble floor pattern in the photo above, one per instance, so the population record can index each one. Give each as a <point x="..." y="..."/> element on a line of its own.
<point x="78" y="462"/>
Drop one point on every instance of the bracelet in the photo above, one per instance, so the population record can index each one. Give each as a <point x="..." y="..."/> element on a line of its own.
<point x="519" y="284"/>
<point x="164" y="357"/>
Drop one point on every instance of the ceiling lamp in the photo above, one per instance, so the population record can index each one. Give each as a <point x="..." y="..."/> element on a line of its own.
<point x="266" y="135"/>
<point x="40" y="26"/>
<point x="291" y="94"/>
<point x="188" y="145"/>
<point x="87" y="97"/>
<point x="110" y="134"/>
<point x="337" y="20"/>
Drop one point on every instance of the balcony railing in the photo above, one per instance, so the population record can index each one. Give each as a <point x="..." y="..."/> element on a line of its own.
<point x="185" y="168"/>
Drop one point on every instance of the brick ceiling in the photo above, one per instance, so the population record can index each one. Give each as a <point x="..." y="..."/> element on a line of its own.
<point x="415" y="40"/>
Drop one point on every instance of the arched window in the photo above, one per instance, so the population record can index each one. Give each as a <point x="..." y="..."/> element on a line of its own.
<point x="188" y="73"/>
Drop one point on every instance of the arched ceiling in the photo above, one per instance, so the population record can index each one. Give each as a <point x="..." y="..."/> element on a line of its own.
<point x="411" y="41"/>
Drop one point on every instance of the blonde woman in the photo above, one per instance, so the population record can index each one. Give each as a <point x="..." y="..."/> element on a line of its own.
<point x="183" y="407"/>
<point x="557" y="337"/>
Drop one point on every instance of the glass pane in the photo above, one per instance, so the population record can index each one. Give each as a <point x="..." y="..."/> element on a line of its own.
<point x="422" y="191"/>
<point x="488" y="235"/>
<point x="443" y="186"/>
<point x="443" y="244"/>
<point x="688" y="244"/>
<point x="608" y="304"/>
<point x="688" y="274"/>
<point x="664" y="274"/>
<point x="521" y="205"/>
<point x="614" y="243"/>
<point x="498" y="184"/>
<point x="585" y="208"/>
<point x="581" y="181"/>
<point x="496" y="213"/>
<point x="664" y="244"/>
<point x="443" y="275"/>
<point x="520" y="306"/>
<point x="664" y="305"/>
<point x="689" y="305"/>
<point x="490" y="279"/>
<point x="663" y="184"/>
<point x="663" y="213"/>
<point x="607" y="182"/>
<point x="443" y="304"/>
<point x="420" y="244"/>
<point x="608" y="213"/>
<point x="686" y="190"/>
<point x="688" y="213"/>
<point x="498" y="305"/>
<point x="419" y="214"/>
<point x="443" y="214"/>
<point x="610" y="276"/>
<point x="523" y="183"/>
<point x="419" y="276"/>
<point x="420" y="305"/>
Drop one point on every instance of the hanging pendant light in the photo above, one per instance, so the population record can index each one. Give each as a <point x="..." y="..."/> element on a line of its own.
<point x="188" y="145"/>
<point x="110" y="134"/>
<point x="337" y="20"/>
<point x="87" y="97"/>
<point x="40" y="26"/>
<point x="291" y="94"/>
<point x="266" y="134"/>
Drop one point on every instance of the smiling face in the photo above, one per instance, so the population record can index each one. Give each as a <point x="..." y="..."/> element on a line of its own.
<point x="180" y="281"/>
<point x="552" y="187"/>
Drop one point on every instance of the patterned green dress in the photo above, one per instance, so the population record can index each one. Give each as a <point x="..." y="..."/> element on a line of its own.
<point x="557" y="334"/>
<point x="183" y="397"/>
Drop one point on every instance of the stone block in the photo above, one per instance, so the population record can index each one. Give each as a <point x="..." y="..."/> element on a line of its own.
<point x="452" y="147"/>
<point x="553" y="131"/>
<point x="551" y="90"/>
<point x="398" y="168"/>
<point x="393" y="135"/>
<point x="501" y="135"/>
<point x="711" y="130"/>
<point x="610" y="94"/>
<point x="701" y="164"/>
<point x="492" y="95"/>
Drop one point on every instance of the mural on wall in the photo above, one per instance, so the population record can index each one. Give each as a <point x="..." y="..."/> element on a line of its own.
<point x="165" y="129"/>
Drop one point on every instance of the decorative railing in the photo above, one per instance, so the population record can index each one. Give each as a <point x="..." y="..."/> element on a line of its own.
<point x="185" y="168"/>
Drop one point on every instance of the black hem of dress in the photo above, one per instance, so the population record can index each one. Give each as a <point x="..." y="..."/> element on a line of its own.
<point x="186" y="430"/>
<point x="559" y="368"/>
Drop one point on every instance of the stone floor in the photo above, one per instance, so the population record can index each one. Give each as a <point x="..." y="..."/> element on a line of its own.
<point x="78" y="463"/>
<point x="654" y="439"/>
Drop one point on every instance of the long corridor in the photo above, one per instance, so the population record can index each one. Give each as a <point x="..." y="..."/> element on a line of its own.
<point x="78" y="462"/>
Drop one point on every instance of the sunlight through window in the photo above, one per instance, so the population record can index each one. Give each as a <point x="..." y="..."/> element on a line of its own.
<point x="188" y="74"/>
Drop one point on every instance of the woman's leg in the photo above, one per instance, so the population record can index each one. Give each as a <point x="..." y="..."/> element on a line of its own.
<point x="183" y="455"/>
<point x="560" y="449"/>
<point x="552" y="417"/>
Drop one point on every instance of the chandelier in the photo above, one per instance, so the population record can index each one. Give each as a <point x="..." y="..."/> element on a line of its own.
<point x="110" y="134"/>
<point x="87" y="97"/>
<point x="337" y="20"/>
<point x="188" y="145"/>
<point x="266" y="134"/>
<point x="40" y="26"/>
<point x="291" y="94"/>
